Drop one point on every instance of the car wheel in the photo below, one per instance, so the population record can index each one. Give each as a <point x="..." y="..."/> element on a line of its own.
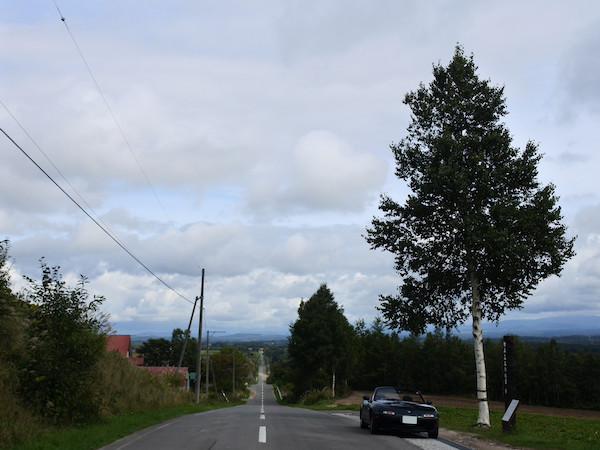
<point x="363" y="424"/>
<point x="372" y="425"/>
<point x="433" y="434"/>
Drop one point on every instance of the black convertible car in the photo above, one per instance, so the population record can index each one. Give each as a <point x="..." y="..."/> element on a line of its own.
<point x="399" y="409"/>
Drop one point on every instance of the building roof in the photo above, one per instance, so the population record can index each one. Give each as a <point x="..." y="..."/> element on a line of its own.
<point x="120" y="343"/>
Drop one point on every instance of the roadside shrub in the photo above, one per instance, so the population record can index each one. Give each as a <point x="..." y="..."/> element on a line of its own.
<point x="67" y="341"/>
<point x="16" y="422"/>
<point x="314" y="396"/>
<point x="125" y="388"/>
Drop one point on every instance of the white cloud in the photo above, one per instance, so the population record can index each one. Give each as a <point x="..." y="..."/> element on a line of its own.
<point x="264" y="131"/>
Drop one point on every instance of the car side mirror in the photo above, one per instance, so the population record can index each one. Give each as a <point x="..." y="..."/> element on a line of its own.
<point x="366" y="397"/>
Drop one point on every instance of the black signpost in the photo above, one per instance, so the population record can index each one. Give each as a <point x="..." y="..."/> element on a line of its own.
<point x="509" y="420"/>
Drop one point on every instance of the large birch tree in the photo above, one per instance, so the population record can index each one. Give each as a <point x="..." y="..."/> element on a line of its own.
<point x="478" y="231"/>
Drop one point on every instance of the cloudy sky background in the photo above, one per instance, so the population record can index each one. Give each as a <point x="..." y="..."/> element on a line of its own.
<point x="264" y="131"/>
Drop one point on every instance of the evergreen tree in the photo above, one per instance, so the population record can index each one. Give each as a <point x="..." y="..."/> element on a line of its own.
<point x="321" y="344"/>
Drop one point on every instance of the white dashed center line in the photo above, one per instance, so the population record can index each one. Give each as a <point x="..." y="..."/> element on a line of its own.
<point x="262" y="435"/>
<point x="262" y="430"/>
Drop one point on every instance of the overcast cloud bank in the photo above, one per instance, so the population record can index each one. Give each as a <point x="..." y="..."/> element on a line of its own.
<point x="264" y="130"/>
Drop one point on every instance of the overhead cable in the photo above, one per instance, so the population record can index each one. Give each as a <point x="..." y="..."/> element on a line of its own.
<point x="62" y="18"/>
<point x="55" y="167"/>
<point x="93" y="219"/>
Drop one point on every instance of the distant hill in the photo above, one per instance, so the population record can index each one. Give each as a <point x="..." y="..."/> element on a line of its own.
<point x="233" y="338"/>
<point x="545" y="327"/>
<point x="250" y="337"/>
<point x="550" y="327"/>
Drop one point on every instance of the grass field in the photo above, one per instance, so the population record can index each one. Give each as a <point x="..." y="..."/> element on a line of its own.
<point x="532" y="430"/>
<point x="95" y="436"/>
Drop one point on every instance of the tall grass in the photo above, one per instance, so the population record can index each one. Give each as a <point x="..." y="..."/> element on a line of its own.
<point x="121" y="389"/>
<point x="16" y="422"/>
<point x="125" y="388"/>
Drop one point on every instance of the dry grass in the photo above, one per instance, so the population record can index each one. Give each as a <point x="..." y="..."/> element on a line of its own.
<point x="121" y="389"/>
<point x="125" y="388"/>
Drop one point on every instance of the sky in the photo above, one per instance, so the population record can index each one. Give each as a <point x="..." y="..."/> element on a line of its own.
<point x="252" y="139"/>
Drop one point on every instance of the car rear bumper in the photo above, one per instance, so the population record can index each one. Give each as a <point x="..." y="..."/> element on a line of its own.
<point x="399" y="423"/>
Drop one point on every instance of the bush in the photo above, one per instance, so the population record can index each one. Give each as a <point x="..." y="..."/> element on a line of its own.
<point x="125" y="388"/>
<point x="314" y="396"/>
<point x="66" y="343"/>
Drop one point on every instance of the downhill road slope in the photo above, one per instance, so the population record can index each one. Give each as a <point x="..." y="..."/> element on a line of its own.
<point x="264" y="424"/>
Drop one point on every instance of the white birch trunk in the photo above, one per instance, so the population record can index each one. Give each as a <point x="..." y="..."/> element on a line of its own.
<point x="484" y="412"/>
<point x="333" y="385"/>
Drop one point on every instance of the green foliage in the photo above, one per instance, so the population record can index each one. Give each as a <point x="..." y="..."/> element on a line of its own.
<point x="164" y="352"/>
<point x="439" y="363"/>
<point x="16" y="422"/>
<point x="532" y="431"/>
<point x="126" y="388"/>
<point x="222" y="364"/>
<point x="477" y="217"/>
<point x="322" y="343"/>
<point x="112" y="428"/>
<point x="67" y="335"/>
<point x="315" y="396"/>
<point x="54" y="367"/>
<point x="548" y="375"/>
<point x="157" y="352"/>
<point x="190" y="355"/>
<point x="379" y="357"/>
<point x="13" y="320"/>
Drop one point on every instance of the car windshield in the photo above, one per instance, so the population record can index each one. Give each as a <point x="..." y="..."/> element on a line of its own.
<point x="406" y="395"/>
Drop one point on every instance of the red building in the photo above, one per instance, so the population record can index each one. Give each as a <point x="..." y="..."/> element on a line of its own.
<point x="122" y="343"/>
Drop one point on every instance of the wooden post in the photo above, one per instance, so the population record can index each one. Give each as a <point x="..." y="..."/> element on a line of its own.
<point x="510" y="385"/>
<point x="199" y="361"/>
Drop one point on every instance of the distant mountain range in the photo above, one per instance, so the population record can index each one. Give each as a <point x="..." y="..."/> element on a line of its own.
<point x="546" y="328"/>
<point x="250" y="337"/>
<point x="232" y="338"/>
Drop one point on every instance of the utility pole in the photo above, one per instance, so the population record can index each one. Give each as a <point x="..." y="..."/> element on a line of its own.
<point x="207" y="362"/>
<point x="233" y="376"/>
<point x="199" y="361"/>
<point x="208" y="333"/>
<point x="187" y="335"/>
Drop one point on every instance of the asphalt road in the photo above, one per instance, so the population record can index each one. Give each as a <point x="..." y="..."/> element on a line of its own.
<point x="264" y="424"/>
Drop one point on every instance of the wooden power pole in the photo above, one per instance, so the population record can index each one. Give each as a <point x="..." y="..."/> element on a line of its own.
<point x="199" y="361"/>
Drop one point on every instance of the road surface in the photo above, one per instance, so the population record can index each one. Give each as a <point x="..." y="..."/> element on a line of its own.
<point x="264" y="424"/>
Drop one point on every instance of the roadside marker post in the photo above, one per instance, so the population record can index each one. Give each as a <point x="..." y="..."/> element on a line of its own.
<point x="508" y="420"/>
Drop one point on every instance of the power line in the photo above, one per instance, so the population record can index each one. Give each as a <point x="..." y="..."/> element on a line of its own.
<point x="93" y="219"/>
<point x="127" y="143"/>
<point x="55" y="167"/>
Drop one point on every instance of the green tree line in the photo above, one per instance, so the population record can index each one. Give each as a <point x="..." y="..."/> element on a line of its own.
<point x="436" y="363"/>
<point x="440" y="363"/>
<point x="231" y="367"/>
